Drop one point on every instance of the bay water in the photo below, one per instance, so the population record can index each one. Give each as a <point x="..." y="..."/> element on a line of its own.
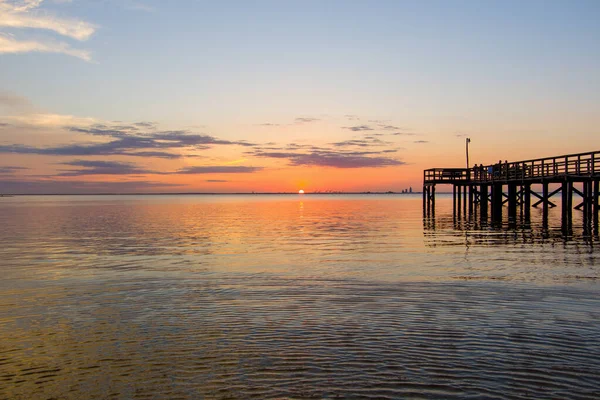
<point x="291" y="296"/>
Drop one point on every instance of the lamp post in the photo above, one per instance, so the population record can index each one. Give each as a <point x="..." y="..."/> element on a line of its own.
<point x="467" y="143"/>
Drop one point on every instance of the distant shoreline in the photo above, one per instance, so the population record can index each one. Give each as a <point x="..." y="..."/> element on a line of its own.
<point x="209" y="194"/>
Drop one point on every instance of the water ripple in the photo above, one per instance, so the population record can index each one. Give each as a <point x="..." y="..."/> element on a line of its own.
<point x="184" y="297"/>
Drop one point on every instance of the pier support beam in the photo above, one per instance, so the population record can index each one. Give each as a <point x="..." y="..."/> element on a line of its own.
<point x="566" y="206"/>
<point x="454" y="200"/>
<point x="497" y="203"/>
<point x="527" y="201"/>
<point x="512" y="203"/>
<point x="587" y="202"/>
<point x="595" y="201"/>
<point x="433" y="200"/>
<point x="483" y="202"/>
<point x="471" y="190"/>
<point x="458" y="200"/>
<point x="545" y="205"/>
<point x="465" y="200"/>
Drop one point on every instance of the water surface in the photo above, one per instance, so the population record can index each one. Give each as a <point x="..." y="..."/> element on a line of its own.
<point x="291" y="296"/>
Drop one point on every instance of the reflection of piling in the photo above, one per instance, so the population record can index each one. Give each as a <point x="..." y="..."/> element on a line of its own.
<point x="595" y="205"/>
<point x="527" y="201"/>
<point x="477" y="189"/>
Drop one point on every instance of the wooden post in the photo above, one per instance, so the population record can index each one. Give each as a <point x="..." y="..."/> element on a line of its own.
<point x="465" y="200"/>
<point x="471" y="189"/>
<point x="586" y="202"/>
<point x="432" y="200"/>
<point x="564" y="218"/>
<point x="545" y="202"/>
<point x="595" y="201"/>
<point x="527" y="201"/>
<point x="570" y="204"/>
<point x="425" y="200"/>
<point x="483" y="202"/>
<point x="589" y="200"/>
<point x="512" y="202"/>
<point x="458" y="198"/>
<point x="497" y="203"/>
<point x="453" y="199"/>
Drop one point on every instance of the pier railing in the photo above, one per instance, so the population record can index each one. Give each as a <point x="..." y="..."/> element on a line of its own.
<point x="449" y="175"/>
<point x="572" y="165"/>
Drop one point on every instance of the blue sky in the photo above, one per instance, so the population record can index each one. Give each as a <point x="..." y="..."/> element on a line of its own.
<point x="440" y="69"/>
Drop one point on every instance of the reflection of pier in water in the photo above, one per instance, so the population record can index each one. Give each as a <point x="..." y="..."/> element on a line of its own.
<point x="478" y="192"/>
<point x="448" y="230"/>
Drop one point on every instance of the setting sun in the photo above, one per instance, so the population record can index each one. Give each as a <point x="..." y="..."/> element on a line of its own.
<point x="300" y="191"/>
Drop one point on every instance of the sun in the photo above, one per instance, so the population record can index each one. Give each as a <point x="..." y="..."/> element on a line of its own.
<point x="300" y="191"/>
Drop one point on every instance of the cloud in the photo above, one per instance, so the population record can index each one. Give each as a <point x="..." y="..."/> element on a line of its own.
<point x="216" y="181"/>
<point x="389" y="127"/>
<point x="92" y="167"/>
<point x="421" y="141"/>
<point x="352" y="117"/>
<point x="224" y="169"/>
<point x="126" y="140"/>
<point x="358" y="128"/>
<point x="335" y="159"/>
<point x="9" y="170"/>
<point x="404" y="134"/>
<point x="144" y="124"/>
<point x="12" y="46"/>
<point x="111" y="148"/>
<point x="367" y="141"/>
<point x="301" y="120"/>
<point x="40" y="186"/>
<point x="46" y="120"/>
<point x="24" y="15"/>
<point x="269" y="124"/>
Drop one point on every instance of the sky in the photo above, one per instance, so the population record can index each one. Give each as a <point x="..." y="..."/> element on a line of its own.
<point x="104" y="96"/>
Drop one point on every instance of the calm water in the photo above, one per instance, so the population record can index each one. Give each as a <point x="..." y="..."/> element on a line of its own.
<point x="291" y="297"/>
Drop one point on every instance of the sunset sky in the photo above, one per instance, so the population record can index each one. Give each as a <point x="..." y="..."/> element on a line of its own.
<point x="269" y="96"/>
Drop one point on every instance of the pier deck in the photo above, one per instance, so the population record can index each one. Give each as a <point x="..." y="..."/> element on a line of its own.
<point x="476" y="188"/>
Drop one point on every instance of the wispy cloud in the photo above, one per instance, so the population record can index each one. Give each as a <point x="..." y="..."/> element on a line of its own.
<point x="26" y="14"/>
<point x="41" y="186"/>
<point x="421" y="141"/>
<point x="367" y="141"/>
<point x="9" y="170"/>
<point x="94" y="167"/>
<point x="389" y="127"/>
<point x="220" y="169"/>
<point x="302" y="120"/>
<point x="8" y="45"/>
<point x="14" y="16"/>
<point x="128" y="140"/>
<point x="334" y="158"/>
<point x="358" y="128"/>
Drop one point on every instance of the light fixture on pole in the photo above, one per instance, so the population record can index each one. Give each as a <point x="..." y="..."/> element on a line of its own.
<point x="468" y="141"/>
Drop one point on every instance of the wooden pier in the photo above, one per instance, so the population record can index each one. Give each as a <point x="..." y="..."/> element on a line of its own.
<point x="485" y="189"/>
